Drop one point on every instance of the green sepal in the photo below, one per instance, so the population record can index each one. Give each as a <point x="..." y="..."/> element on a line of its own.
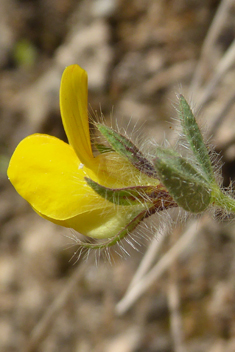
<point x="103" y="148"/>
<point x="125" y="196"/>
<point x="128" y="150"/>
<point x="185" y="184"/>
<point x="194" y="138"/>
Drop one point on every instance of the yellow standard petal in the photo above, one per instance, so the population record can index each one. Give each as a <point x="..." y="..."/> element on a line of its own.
<point x="46" y="172"/>
<point x="73" y="106"/>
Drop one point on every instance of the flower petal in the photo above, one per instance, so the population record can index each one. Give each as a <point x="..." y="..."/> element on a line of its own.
<point x="100" y="223"/>
<point x="114" y="171"/>
<point x="46" y="172"/>
<point x="73" y="106"/>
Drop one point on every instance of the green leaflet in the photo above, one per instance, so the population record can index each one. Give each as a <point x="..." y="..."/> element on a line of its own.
<point x="128" y="150"/>
<point x="173" y="157"/>
<point x="194" y="137"/>
<point x="186" y="185"/>
<point x="124" y="196"/>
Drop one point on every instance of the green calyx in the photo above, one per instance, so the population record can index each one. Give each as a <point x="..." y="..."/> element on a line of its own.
<point x="103" y="148"/>
<point x="124" y="147"/>
<point x="124" y="196"/>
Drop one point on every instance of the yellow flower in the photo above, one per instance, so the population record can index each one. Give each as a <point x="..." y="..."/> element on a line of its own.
<point x="49" y="173"/>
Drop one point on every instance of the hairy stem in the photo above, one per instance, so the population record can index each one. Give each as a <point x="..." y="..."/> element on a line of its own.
<point x="223" y="200"/>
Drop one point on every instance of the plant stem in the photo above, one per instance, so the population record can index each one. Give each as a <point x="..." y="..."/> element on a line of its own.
<point x="223" y="200"/>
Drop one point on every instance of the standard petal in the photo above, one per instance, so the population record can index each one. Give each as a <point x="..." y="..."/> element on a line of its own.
<point x="73" y="106"/>
<point x="47" y="173"/>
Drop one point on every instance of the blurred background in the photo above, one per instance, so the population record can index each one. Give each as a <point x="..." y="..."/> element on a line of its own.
<point x="138" y="55"/>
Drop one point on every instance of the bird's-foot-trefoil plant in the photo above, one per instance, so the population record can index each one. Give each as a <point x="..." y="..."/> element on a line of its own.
<point x="104" y="190"/>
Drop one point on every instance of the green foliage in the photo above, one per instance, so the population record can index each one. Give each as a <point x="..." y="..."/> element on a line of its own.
<point x="195" y="139"/>
<point x="188" y="188"/>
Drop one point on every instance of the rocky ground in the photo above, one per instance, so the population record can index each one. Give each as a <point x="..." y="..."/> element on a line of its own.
<point x="138" y="55"/>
